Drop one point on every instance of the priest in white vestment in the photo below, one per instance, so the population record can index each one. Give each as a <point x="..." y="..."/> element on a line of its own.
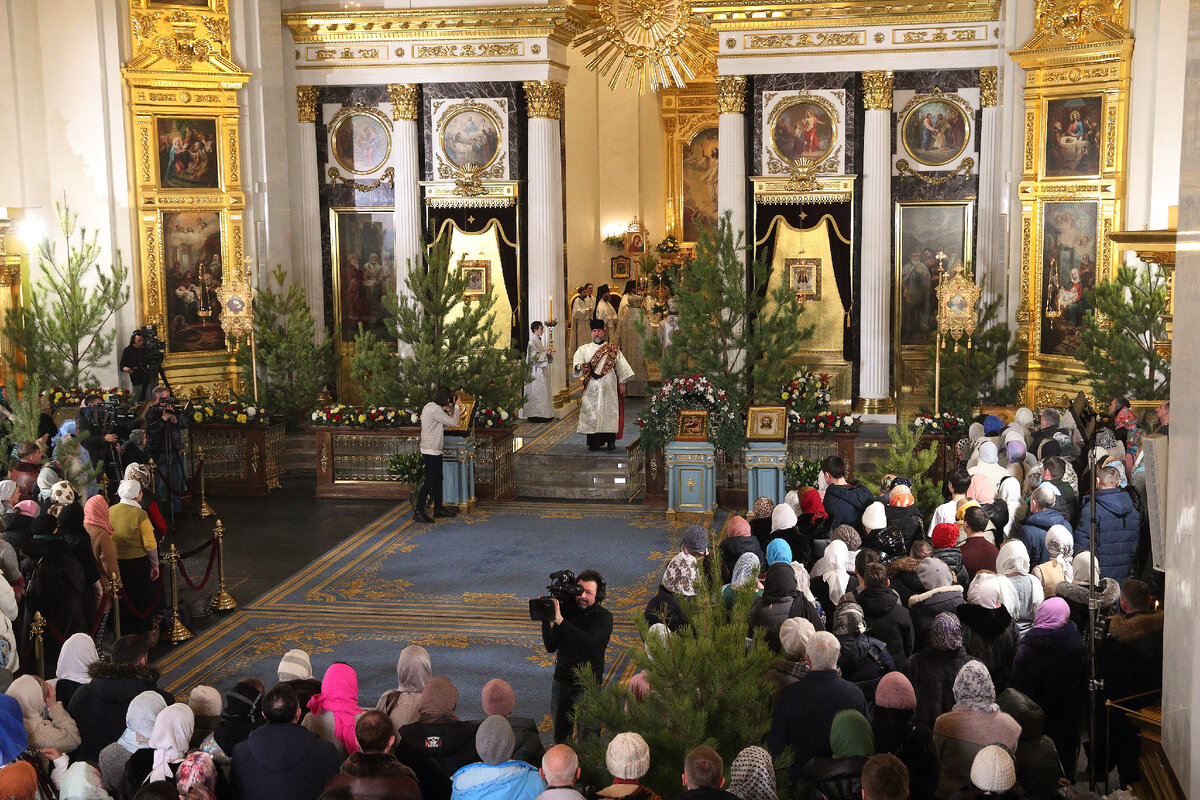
<point x="538" y="407"/>
<point x="581" y="311"/>
<point x="604" y="372"/>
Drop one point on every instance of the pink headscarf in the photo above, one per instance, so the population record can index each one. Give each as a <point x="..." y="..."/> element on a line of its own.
<point x="339" y="696"/>
<point x="1052" y="613"/>
<point x="28" y="508"/>
<point x="981" y="489"/>
<point x="95" y="513"/>
<point x="738" y="526"/>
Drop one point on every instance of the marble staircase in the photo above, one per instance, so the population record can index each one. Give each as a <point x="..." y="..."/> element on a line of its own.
<point x="583" y="476"/>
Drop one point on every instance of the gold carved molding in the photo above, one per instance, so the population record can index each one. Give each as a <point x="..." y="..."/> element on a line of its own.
<point x="560" y="23"/>
<point x="404" y="98"/>
<point x="965" y="166"/>
<point x="728" y="15"/>
<point x="877" y="90"/>
<point x="989" y="94"/>
<point x="731" y="94"/>
<point x="686" y="114"/>
<point x="544" y="99"/>
<point x="306" y="103"/>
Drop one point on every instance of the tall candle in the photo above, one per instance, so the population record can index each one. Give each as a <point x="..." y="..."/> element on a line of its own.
<point x="551" y="317"/>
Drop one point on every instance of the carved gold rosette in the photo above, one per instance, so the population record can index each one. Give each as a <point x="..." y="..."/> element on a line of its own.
<point x="404" y="98"/>
<point x="544" y="99"/>
<point x="877" y="90"/>
<point x="731" y="94"/>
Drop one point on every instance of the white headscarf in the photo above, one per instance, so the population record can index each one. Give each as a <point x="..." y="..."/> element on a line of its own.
<point x="986" y="590"/>
<point x="82" y="781"/>
<point x="803" y="581"/>
<point x="27" y="691"/>
<point x="139" y="720"/>
<point x="1013" y="557"/>
<point x="7" y="490"/>
<point x="782" y="517"/>
<point x="128" y="491"/>
<point x="77" y="654"/>
<point x="1060" y="544"/>
<point x="835" y="567"/>
<point x="170" y="739"/>
<point x="1081" y="564"/>
<point x="792" y="498"/>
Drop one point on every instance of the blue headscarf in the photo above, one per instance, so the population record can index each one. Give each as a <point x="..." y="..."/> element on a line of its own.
<point x="779" y="550"/>
<point x="13" y="739"/>
<point x="992" y="425"/>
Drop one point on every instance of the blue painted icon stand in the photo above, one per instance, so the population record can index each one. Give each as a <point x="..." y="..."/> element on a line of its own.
<point x="458" y="473"/>
<point x="691" y="479"/>
<point x="765" y="463"/>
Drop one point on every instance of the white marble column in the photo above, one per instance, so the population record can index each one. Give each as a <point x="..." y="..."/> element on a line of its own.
<point x="545" y="237"/>
<point x="406" y="153"/>
<point x="306" y="213"/>
<point x="990" y="264"/>
<point x="875" y="294"/>
<point x="731" y="169"/>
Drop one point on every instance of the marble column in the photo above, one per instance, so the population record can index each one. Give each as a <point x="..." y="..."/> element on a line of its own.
<point x="406" y="153"/>
<point x="306" y="216"/>
<point x="990" y="266"/>
<point x="731" y="169"/>
<point x="875" y="295"/>
<point x="545" y="237"/>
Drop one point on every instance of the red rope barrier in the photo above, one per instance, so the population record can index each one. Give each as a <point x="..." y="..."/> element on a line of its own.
<point x="100" y="612"/>
<point x="212" y="557"/>
<point x="191" y="553"/>
<point x="170" y="489"/>
<point x="142" y="614"/>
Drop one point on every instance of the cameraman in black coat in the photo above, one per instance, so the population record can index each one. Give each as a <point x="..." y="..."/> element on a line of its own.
<point x="579" y="634"/>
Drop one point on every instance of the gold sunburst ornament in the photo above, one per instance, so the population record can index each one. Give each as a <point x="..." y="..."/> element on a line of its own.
<point x="653" y="43"/>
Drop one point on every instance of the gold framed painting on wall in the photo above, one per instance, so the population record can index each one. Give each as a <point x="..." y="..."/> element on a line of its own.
<point x="193" y="259"/>
<point x="804" y="278"/>
<point x="619" y="266"/>
<point x="363" y="248"/>
<point x="698" y="178"/>
<point x="767" y="424"/>
<point x="803" y="129"/>
<point x="478" y="273"/>
<point x="471" y="135"/>
<point x="931" y="237"/>
<point x="935" y="128"/>
<point x="1068" y="254"/>
<point x="1073" y="136"/>
<point x="692" y="425"/>
<point x="360" y="139"/>
<point x="189" y="156"/>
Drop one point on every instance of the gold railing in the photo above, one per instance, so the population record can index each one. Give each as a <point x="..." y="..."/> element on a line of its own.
<point x="635" y="470"/>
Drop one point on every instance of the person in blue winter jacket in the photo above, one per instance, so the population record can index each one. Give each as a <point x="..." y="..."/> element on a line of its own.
<point x="1118" y="526"/>
<point x="496" y="776"/>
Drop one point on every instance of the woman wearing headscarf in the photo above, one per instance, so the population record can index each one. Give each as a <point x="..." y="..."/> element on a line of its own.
<point x="760" y="520"/>
<point x="199" y="779"/>
<point x="438" y="744"/>
<point x="863" y="659"/>
<point x="1051" y="669"/>
<point x="784" y="526"/>
<point x="1060" y="544"/>
<point x="295" y="669"/>
<point x="413" y="671"/>
<point x="974" y="723"/>
<point x="241" y="715"/>
<point x="1077" y="593"/>
<point x="20" y="527"/>
<point x="752" y="775"/>
<point x="932" y="670"/>
<point x="335" y="709"/>
<point x="840" y="777"/>
<point x="205" y="703"/>
<point x="1130" y="434"/>
<point x="82" y="781"/>
<point x="45" y="483"/>
<point x="989" y="631"/>
<point x="149" y="502"/>
<point x="737" y="542"/>
<point x="1021" y="592"/>
<point x="941" y="595"/>
<point x="169" y="744"/>
<point x="896" y="731"/>
<point x="98" y="525"/>
<point x="678" y="580"/>
<point x="833" y="575"/>
<point x="9" y="496"/>
<point x="745" y="572"/>
<point x="137" y="555"/>
<point x="47" y="722"/>
<point x="139" y="724"/>
<point x="780" y="601"/>
<point x="804" y="587"/>
<point x="58" y="588"/>
<point x="902" y="513"/>
<point x="21" y="772"/>
<point x="77" y="654"/>
<point x="813" y="522"/>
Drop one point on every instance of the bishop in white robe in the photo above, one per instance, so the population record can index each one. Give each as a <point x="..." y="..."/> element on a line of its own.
<point x="604" y="372"/>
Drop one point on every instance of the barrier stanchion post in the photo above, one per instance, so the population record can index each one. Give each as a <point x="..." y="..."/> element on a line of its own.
<point x="221" y="599"/>
<point x="36" y="632"/>
<point x="178" y="632"/>
<point x="114" y="591"/>
<point x="205" y="508"/>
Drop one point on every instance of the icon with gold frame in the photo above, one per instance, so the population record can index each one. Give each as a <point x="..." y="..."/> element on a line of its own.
<point x="466" y="413"/>
<point x="479" y="278"/>
<point x="620" y="267"/>
<point x="767" y="424"/>
<point x="957" y="298"/>
<point x="804" y="277"/>
<point x="360" y="139"/>
<point x="692" y="425"/>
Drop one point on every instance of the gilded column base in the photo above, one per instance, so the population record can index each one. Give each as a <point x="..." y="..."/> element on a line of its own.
<point x="875" y="405"/>
<point x="178" y="632"/>
<point x="677" y="518"/>
<point x="463" y="508"/>
<point x="562" y="397"/>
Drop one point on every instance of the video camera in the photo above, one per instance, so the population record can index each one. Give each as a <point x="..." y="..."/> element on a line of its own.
<point x="153" y="349"/>
<point x="108" y="415"/>
<point x="564" y="587"/>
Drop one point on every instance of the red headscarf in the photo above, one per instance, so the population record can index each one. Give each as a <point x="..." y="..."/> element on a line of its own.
<point x="811" y="503"/>
<point x="339" y="696"/>
<point x="95" y="513"/>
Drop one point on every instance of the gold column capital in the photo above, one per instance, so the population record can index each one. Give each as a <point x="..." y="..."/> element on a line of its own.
<point x="877" y="90"/>
<point x="544" y="99"/>
<point x="306" y="103"/>
<point x="404" y="100"/>
<point x="731" y="94"/>
<point x="989" y="92"/>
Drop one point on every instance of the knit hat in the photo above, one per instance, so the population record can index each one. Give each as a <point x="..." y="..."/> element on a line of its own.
<point x="498" y="698"/>
<point x="628" y="757"/>
<point x="993" y="770"/>
<point x="945" y="534"/>
<point x="934" y="573"/>
<point x="794" y="634"/>
<point x="680" y="575"/>
<point x="494" y="741"/>
<point x="782" y="517"/>
<point x="848" y="620"/>
<point x="763" y="507"/>
<point x="695" y="538"/>
<point x="295" y="666"/>
<point x="738" y="526"/>
<point x="205" y="701"/>
<point x="847" y="534"/>
<point x="946" y="632"/>
<point x="895" y="691"/>
<point x="988" y="453"/>
<point x="875" y="517"/>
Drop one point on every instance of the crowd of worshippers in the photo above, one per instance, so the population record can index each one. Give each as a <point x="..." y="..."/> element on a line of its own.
<point x="959" y="643"/>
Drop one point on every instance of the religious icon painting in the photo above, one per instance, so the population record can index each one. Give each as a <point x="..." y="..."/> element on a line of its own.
<point x="692" y="425"/>
<point x="931" y="238"/>
<point x="466" y="411"/>
<point x="699" y="183"/>
<point x="767" y="424"/>
<point x="620" y="267"/>
<point x="193" y="269"/>
<point x="803" y="128"/>
<point x="188" y="154"/>
<point x="1069" y="252"/>
<point x="635" y="243"/>
<point x="471" y="136"/>
<point x="804" y="277"/>
<point x="935" y="129"/>
<point x="360" y="139"/>
<point x="1073" y="137"/>
<point x="364" y="269"/>
<point x="478" y="273"/>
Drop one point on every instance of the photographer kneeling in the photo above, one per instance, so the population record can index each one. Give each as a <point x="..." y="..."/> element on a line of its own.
<point x="579" y="634"/>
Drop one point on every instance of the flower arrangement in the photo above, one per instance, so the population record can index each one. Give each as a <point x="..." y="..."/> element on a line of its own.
<point x="807" y="392"/>
<point x="407" y="468"/>
<point x="827" y="423"/>
<point x="60" y="396"/>
<point x="226" y="412"/>
<point x="615" y="240"/>
<point x="726" y="427"/>
<point x="487" y="417"/>
<point x="945" y="423"/>
<point x="668" y="246"/>
<point x="369" y="417"/>
<point x="801" y="472"/>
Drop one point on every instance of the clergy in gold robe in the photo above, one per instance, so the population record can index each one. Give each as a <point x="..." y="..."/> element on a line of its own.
<point x="604" y="372"/>
<point x="581" y="311"/>
<point x="630" y="341"/>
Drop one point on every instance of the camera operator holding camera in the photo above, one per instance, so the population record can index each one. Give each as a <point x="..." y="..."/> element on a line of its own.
<point x="578" y="632"/>
<point x="133" y="364"/>
<point x="165" y="422"/>
<point x="100" y="436"/>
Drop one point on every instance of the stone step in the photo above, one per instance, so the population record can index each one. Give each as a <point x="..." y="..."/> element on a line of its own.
<point x="300" y="455"/>
<point x="578" y="477"/>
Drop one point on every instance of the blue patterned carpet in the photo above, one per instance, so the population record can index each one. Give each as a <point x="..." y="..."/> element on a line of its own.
<point x="460" y="588"/>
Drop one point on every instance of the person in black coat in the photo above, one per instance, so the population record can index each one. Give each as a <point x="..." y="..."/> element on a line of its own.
<point x="840" y="776"/>
<point x="704" y="775"/>
<point x="679" y="578"/>
<point x="282" y="760"/>
<point x="903" y="514"/>
<point x="941" y="595"/>
<point x="902" y="572"/>
<point x="736" y="543"/>
<point x="864" y="659"/>
<point x="1051" y="669"/>
<point x="897" y="732"/>
<point x="845" y="501"/>
<point x="886" y="617"/>
<point x="932" y="671"/>
<point x="1038" y="768"/>
<point x="813" y="523"/>
<point x="989" y="632"/>
<point x="780" y="601"/>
